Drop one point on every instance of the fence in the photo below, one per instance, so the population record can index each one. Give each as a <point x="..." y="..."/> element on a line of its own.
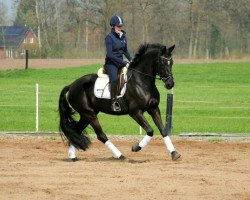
<point x="22" y="110"/>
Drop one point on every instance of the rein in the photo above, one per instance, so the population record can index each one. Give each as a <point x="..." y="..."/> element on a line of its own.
<point x="139" y="72"/>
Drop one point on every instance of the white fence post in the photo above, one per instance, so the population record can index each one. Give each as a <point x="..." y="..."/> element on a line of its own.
<point x="37" y="106"/>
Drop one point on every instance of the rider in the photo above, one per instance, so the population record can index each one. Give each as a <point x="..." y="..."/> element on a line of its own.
<point x="116" y="47"/>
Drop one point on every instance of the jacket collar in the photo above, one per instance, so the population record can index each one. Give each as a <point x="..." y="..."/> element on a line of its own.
<point x="115" y="34"/>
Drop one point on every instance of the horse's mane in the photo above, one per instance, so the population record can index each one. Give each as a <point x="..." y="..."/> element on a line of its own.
<point x="149" y="49"/>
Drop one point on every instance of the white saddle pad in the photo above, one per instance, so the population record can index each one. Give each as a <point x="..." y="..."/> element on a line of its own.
<point x="101" y="89"/>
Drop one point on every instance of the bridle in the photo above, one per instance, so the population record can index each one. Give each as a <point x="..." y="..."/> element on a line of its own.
<point x="168" y="59"/>
<point x="161" y="77"/>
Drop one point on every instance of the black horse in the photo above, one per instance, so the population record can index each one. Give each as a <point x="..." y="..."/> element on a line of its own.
<point x="141" y="95"/>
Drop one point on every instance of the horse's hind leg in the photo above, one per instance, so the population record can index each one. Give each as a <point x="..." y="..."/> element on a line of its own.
<point x="101" y="136"/>
<point x="79" y="127"/>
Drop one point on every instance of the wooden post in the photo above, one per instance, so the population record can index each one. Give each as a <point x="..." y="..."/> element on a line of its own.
<point x="26" y="59"/>
<point x="37" y="106"/>
<point x="169" y="113"/>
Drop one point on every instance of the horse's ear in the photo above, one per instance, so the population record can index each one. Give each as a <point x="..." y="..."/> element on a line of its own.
<point x="163" y="50"/>
<point x="170" y="49"/>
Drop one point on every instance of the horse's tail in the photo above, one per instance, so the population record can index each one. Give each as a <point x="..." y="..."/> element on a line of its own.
<point x="68" y="124"/>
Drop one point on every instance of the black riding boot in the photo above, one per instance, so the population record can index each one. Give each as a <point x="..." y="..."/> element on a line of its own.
<point x="115" y="106"/>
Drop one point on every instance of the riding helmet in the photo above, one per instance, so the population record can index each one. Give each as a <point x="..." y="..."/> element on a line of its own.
<point x="116" y="21"/>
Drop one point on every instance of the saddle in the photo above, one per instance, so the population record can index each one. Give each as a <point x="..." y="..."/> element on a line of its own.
<point x="102" y="86"/>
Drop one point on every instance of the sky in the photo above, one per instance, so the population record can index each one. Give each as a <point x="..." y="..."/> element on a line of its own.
<point x="10" y="10"/>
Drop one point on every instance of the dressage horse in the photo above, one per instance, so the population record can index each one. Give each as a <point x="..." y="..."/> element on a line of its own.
<point x="151" y="62"/>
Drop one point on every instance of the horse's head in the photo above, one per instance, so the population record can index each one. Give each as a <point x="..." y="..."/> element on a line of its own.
<point x="164" y="66"/>
<point x="159" y="58"/>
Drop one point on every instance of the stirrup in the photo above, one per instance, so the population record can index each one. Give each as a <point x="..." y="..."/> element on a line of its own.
<point x="116" y="106"/>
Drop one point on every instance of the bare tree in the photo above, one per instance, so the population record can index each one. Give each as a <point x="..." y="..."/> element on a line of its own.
<point x="2" y="22"/>
<point x="239" y="12"/>
<point x="38" y="24"/>
<point x="3" y="14"/>
<point x="199" y="28"/>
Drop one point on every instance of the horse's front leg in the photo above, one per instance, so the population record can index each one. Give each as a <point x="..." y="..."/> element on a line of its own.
<point x="156" y="116"/>
<point x="142" y="121"/>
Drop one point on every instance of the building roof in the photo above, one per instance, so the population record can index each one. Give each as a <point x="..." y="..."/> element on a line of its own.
<point x="12" y="36"/>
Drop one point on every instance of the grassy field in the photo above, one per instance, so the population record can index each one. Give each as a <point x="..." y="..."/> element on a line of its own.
<point x="211" y="97"/>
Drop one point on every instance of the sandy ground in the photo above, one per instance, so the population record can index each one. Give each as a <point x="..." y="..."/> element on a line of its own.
<point x="38" y="168"/>
<point x="62" y="63"/>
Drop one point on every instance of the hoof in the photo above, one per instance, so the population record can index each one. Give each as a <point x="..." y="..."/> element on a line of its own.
<point x="175" y="155"/>
<point x="122" y="157"/>
<point x="136" y="147"/>
<point x="74" y="159"/>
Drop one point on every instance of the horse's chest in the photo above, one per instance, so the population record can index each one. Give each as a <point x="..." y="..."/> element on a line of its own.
<point x="150" y="101"/>
<point x="143" y="98"/>
<point x="153" y="102"/>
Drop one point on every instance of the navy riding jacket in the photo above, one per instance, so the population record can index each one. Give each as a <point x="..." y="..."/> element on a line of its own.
<point x="116" y="47"/>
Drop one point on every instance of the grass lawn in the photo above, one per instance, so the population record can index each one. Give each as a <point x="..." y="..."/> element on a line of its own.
<point x="212" y="97"/>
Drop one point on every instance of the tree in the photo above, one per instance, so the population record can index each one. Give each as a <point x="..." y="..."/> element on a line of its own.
<point x="3" y="14"/>
<point x="239" y="12"/>
<point x="199" y="28"/>
<point x="215" y="43"/>
<point x="26" y="13"/>
<point x="2" y="22"/>
<point x="144" y="7"/>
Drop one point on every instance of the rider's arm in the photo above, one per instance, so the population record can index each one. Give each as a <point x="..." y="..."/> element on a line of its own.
<point x="108" y="43"/>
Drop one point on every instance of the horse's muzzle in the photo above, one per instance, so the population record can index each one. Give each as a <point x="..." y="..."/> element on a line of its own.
<point x="169" y="83"/>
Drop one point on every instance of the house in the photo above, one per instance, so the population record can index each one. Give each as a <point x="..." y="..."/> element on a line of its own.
<point x="14" y="40"/>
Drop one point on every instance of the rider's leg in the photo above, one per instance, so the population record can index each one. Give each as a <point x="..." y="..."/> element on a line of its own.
<point x="114" y="104"/>
<point x="112" y="72"/>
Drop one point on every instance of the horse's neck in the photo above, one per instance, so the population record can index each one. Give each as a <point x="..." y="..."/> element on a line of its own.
<point x="144" y="74"/>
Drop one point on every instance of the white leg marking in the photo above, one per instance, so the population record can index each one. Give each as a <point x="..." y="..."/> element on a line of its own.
<point x="113" y="148"/>
<point x="169" y="144"/>
<point x="72" y="151"/>
<point x="144" y="142"/>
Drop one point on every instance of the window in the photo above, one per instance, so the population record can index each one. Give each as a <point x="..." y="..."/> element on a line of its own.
<point x="31" y="40"/>
<point x="25" y="40"/>
<point x="9" y="54"/>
